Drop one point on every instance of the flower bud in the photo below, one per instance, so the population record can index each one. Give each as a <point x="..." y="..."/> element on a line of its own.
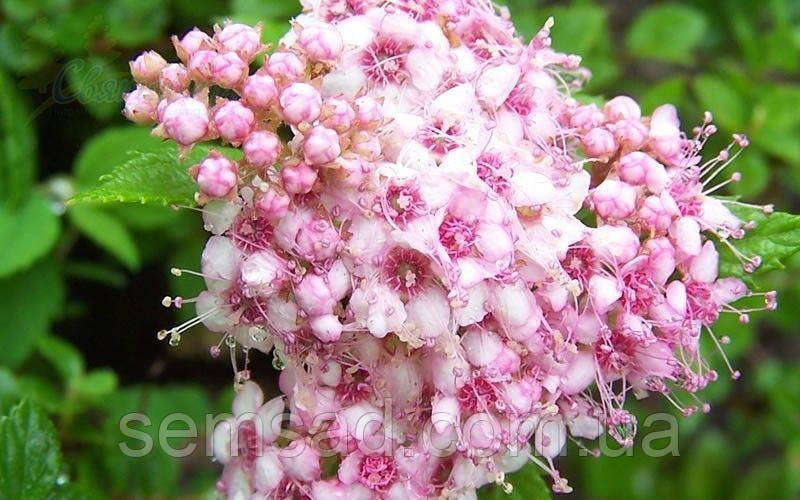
<point x="321" y="146"/>
<point x="337" y="114"/>
<point x="185" y="120"/>
<point x="586" y="117"/>
<point x="141" y="105"/>
<point x="321" y="43"/>
<point x="599" y="143"/>
<point x="285" y="67"/>
<point x="191" y="42"/>
<point x="174" y="77"/>
<point x="272" y="204"/>
<point x="216" y="176"/>
<point x="622" y="108"/>
<point x="146" y="68"/>
<point x="244" y="40"/>
<point x="300" y="103"/>
<point x="260" y="91"/>
<point x="228" y="70"/>
<point x="369" y="112"/>
<point x="614" y="199"/>
<point x="201" y="65"/>
<point x="298" y="179"/>
<point x="234" y="121"/>
<point x="261" y="149"/>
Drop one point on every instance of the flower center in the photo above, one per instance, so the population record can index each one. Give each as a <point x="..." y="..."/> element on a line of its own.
<point x="406" y="270"/>
<point x="378" y="472"/>
<point x="457" y="236"/>
<point x="384" y="60"/>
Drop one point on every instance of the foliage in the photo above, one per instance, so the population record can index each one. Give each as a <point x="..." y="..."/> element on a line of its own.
<point x="63" y="64"/>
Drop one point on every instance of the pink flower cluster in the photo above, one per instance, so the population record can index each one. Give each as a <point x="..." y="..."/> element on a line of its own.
<point x="403" y="233"/>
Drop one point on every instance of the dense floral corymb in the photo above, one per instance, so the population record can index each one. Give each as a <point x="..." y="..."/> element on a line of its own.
<point x="403" y="233"/>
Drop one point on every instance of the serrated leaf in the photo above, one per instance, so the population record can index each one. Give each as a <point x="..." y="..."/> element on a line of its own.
<point x="64" y="357"/>
<point x="29" y="301"/>
<point x="107" y="232"/>
<point x="110" y="149"/>
<point x="717" y="96"/>
<point x="17" y="143"/>
<point x="30" y="456"/>
<point x="154" y="176"/>
<point x="775" y="238"/>
<point x="667" y="32"/>
<point x="527" y="482"/>
<point x="27" y="232"/>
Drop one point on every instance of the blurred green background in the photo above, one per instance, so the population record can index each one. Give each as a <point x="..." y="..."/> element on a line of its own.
<point x="80" y="286"/>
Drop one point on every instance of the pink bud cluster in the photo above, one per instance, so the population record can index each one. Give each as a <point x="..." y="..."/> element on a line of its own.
<point x="412" y="254"/>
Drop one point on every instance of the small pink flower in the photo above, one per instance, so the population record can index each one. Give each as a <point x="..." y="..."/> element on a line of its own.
<point x="234" y="121"/>
<point x="285" y="67"/>
<point x="369" y="112"/>
<point x="622" y="108"/>
<point x="261" y="149"/>
<point x="244" y="40"/>
<point x="599" y="143"/>
<point x="146" y="68"/>
<point x="185" y="120"/>
<point x="614" y="199"/>
<point x="228" y="70"/>
<point x="260" y="91"/>
<point x="321" y="42"/>
<point x="174" y="77"/>
<point x="337" y="114"/>
<point x="141" y="105"/>
<point x="321" y="146"/>
<point x="191" y="42"/>
<point x="216" y="176"/>
<point x="272" y="204"/>
<point x="300" y="103"/>
<point x="201" y="65"/>
<point x="299" y="178"/>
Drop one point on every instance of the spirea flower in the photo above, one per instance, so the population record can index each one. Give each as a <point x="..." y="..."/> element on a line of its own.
<point x="411" y="252"/>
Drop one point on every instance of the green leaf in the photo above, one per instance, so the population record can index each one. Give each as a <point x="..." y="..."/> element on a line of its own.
<point x="67" y="361"/>
<point x="30" y="458"/>
<point x="29" y="301"/>
<point x="527" y="482"/>
<point x="95" y="384"/>
<point x="97" y="85"/>
<point x="717" y="96"/>
<point x="155" y="176"/>
<point x="775" y="238"/>
<point x="667" y="32"/>
<point x="26" y="233"/>
<point x="253" y="11"/>
<point x="107" y="232"/>
<point x="17" y="143"/>
<point x="110" y="149"/>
